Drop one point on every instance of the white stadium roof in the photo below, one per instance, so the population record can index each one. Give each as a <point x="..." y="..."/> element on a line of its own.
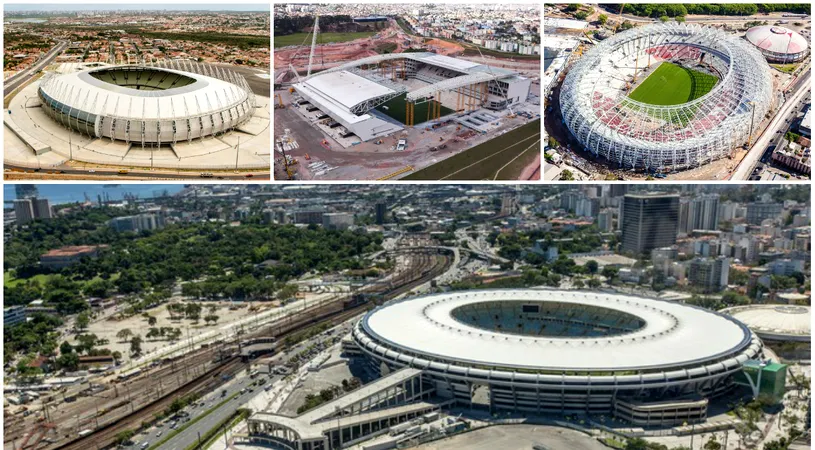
<point x="450" y="63"/>
<point x="674" y="335"/>
<point x="348" y="89"/>
<point x="775" y="321"/>
<point x="777" y="39"/>
<point x="203" y="96"/>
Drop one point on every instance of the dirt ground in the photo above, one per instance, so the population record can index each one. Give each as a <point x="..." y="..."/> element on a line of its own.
<point x="106" y="326"/>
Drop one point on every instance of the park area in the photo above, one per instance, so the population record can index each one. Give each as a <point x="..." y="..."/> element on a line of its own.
<point x="501" y="158"/>
<point x="671" y="84"/>
<point x="322" y="38"/>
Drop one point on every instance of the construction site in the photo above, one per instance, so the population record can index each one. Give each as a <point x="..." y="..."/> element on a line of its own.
<point x="351" y="111"/>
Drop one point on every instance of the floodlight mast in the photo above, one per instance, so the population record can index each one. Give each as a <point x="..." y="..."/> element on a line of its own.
<point x="313" y="43"/>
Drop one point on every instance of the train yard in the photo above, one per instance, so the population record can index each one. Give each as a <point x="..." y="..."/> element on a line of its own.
<point x="95" y="415"/>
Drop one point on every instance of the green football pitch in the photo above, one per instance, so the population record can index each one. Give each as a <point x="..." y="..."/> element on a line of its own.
<point x="671" y="84"/>
<point x="396" y="109"/>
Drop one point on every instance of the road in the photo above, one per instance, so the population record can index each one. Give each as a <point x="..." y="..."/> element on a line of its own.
<point x="707" y="18"/>
<point x="780" y="122"/>
<point x="162" y="174"/>
<point x="191" y="434"/>
<point x="16" y="80"/>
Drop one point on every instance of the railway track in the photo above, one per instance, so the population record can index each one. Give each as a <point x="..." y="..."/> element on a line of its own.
<point x="422" y="268"/>
<point x="106" y="435"/>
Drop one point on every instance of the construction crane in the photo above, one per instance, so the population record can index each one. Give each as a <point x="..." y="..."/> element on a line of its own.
<point x="503" y="92"/>
<point x="313" y="43"/>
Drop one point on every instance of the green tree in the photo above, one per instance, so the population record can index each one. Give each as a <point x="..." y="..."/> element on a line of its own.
<point x="68" y="361"/>
<point x="603" y="18"/>
<point x="287" y="292"/>
<point x="66" y="347"/>
<point x="135" y="346"/>
<point x="592" y="266"/>
<point x="123" y="437"/>
<point x="124" y="334"/>
<point x="82" y="321"/>
<point x="610" y="273"/>
<point x="712" y="444"/>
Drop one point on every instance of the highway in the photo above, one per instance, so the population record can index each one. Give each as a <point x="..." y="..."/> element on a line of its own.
<point x="778" y="125"/>
<point x="18" y="79"/>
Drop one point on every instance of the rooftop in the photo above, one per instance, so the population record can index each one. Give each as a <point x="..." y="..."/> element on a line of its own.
<point x="73" y="250"/>
<point x="674" y="335"/>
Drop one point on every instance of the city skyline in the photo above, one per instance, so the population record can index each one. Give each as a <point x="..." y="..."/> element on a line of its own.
<point x="191" y="7"/>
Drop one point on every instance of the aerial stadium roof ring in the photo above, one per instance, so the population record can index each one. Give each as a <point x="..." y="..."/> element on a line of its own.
<point x="554" y="351"/>
<point x="728" y="85"/>
<point x="157" y="103"/>
<point x="553" y="331"/>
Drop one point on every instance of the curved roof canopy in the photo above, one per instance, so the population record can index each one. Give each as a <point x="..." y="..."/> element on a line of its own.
<point x="673" y="335"/>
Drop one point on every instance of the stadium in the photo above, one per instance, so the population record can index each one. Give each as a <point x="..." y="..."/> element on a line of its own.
<point x="133" y="118"/>
<point x="775" y="323"/>
<point x="379" y="95"/>
<point x="666" y="97"/>
<point x="149" y="104"/>
<point x="648" y="362"/>
<point x="778" y="44"/>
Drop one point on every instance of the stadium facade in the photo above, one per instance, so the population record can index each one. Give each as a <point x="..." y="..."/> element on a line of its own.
<point x="349" y="93"/>
<point x="632" y="134"/>
<point x="649" y="362"/>
<point x="778" y="44"/>
<point x="149" y="104"/>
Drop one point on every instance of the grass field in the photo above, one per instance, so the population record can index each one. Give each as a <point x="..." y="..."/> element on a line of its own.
<point x="485" y="161"/>
<point x="9" y="280"/>
<point x="396" y="109"/>
<point x="322" y="38"/>
<point x="786" y="68"/>
<point x="671" y="84"/>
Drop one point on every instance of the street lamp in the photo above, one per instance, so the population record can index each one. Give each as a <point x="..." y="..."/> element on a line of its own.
<point x="752" y="120"/>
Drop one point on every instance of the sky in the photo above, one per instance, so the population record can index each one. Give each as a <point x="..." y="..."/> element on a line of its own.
<point x="223" y="6"/>
<point x="69" y="193"/>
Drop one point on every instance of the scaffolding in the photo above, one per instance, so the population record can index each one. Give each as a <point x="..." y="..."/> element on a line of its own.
<point x="632" y="134"/>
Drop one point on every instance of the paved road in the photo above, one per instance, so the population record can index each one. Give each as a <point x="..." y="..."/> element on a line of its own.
<point x="16" y="80"/>
<point x="191" y="435"/>
<point x="781" y="122"/>
<point x="708" y="18"/>
<point x="138" y="173"/>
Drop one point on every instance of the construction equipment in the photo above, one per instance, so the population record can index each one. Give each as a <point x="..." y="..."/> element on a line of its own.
<point x="279" y="104"/>
<point x="313" y="43"/>
<point x="503" y="92"/>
